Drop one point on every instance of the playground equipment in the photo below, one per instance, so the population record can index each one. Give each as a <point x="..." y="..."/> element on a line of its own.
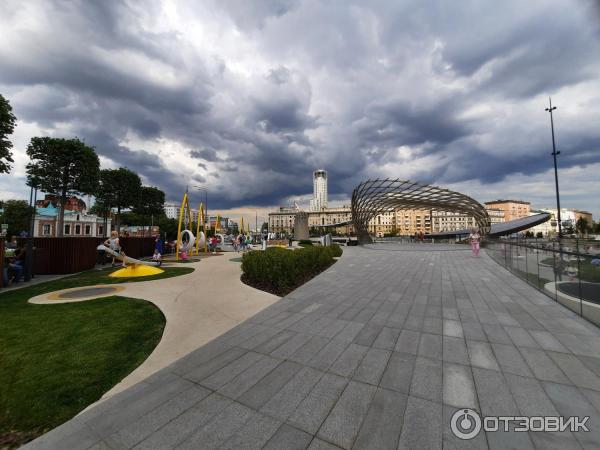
<point x="185" y="207"/>
<point x="186" y="247"/>
<point x="135" y="267"/>
<point x="201" y="241"/>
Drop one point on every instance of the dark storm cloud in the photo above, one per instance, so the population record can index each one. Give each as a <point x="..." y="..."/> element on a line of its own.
<point x="207" y="154"/>
<point x="399" y="123"/>
<point x="284" y="87"/>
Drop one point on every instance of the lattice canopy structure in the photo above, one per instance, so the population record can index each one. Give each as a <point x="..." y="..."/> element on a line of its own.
<point x="373" y="197"/>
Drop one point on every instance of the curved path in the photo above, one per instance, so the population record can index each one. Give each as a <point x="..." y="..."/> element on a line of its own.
<point x="378" y="352"/>
<point x="198" y="307"/>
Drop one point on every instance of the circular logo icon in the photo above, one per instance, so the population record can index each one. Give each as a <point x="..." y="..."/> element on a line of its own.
<point x="465" y="424"/>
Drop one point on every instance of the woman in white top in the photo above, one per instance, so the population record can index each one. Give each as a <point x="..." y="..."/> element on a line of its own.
<point x="114" y="244"/>
<point x="474" y="237"/>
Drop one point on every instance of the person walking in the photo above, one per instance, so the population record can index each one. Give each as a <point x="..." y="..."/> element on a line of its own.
<point x="236" y="244"/>
<point x="474" y="238"/>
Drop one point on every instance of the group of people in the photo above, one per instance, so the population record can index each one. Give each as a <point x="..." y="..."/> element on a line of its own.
<point x="419" y="236"/>
<point x="14" y="269"/>
<point x="241" y="242"/>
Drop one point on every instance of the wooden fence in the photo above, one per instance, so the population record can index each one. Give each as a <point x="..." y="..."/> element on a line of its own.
<point x="74" y="254"/>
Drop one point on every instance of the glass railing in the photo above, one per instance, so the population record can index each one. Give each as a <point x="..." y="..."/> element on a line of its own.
<point x="567" y="271"/>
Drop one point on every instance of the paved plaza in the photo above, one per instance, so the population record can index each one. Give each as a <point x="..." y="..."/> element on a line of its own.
<point x="378" y="352"/>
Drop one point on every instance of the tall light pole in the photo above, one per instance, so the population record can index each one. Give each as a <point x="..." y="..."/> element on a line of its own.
<point x="554" y="154"/>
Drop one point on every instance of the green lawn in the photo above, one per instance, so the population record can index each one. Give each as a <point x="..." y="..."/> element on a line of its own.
<point x="588" y="273"/>
<point x="57" y="359"/>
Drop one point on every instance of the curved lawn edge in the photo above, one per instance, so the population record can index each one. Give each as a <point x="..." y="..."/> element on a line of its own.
<point x="52" y="370"/>
<point x="57" y="361"/>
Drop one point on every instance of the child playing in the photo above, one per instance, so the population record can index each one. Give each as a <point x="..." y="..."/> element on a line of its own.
<point x="157" y="257"/>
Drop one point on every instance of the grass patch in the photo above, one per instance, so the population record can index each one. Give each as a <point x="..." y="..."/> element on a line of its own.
<point x="280" y="271"/>
<point x="57" y="359"/>
<point x="587" y="271"/>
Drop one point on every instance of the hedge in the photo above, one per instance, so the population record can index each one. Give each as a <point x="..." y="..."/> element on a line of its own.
<point x="280" y="271"/>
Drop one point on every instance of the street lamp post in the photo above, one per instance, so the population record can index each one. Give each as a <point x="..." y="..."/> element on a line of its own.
<point x="554" y="154"/>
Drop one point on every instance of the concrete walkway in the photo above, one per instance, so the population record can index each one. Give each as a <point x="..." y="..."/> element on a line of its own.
<point x="198" y="307"/>
<point x="378" y="352"/>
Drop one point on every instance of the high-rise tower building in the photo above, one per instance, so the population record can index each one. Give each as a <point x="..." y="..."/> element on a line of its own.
<point x="319" y="199"/>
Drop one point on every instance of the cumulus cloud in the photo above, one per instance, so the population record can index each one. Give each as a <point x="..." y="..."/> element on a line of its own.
<point x="247" y="99"/>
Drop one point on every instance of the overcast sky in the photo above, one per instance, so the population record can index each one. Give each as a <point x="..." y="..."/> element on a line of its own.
<point x="247" y="98"/>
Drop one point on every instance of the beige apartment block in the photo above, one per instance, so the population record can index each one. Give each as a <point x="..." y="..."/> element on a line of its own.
<point x="513" y="209"/>
<point x="496" y="215"/>
<point x="401" y="222"/>
<point x="451" y="221"/>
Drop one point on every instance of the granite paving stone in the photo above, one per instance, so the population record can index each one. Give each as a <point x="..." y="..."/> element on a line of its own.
<point x="381" y="427"/>
<point x="454" y="350"/>
<point x="253" y="435"/>
<point x="343" y="423"/>
<point x="349" y="360"/>
<point x="266" y="388"/>
<point x="289" y="438"/>
<point x="542" y="365"/>
<point x="328" y="354"/>
<point x="576" y="371"/>
<point x="430" y="346"/>
<point x="387" y="338"/>
<point x="313" y="410"/>
<point x="408" y="342"/>
<point x="422" y="426"/>
<point x="481" y="355"/>
<point x="398" y="373"/>
<point x="372" y="366"/>
<point x="427" y="379"/>
<point x="377" y="352"/>
<point x="249" y="377"/>
<point x="459" y="389"/>
<point x="282" y="404"/>
<point x="220" y="428"/>
<point x="510" y="360"/>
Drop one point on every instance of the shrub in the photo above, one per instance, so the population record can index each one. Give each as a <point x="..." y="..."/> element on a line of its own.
<point x="280" y="271"/>
<point x="305" y="243"/>
<point x="335" y="250"/>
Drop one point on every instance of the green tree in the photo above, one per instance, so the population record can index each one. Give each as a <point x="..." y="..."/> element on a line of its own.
<point x="582" y="226"/>
<point x="264" y="227"/>
<point x="17" y="214"/>
<point x="168" y="226"/>
<point x="120" y="189"/>
<point x="62" y="167"/>
<point x="7" y="126"/>
<point x="151" y="204"/>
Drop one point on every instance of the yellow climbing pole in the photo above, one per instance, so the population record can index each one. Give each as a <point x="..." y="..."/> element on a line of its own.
<point x="185" y="206"/>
